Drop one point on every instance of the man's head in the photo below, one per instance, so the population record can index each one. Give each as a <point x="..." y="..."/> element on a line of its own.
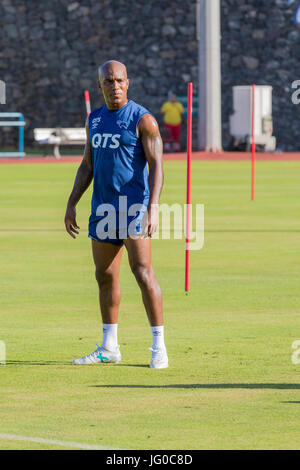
<point x="113" y="83"/>
<point x="173" y="97"/>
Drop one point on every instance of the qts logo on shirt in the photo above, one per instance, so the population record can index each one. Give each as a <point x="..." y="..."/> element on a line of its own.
<point x="106" y="141"/>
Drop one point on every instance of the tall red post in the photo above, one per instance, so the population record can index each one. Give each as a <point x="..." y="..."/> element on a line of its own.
<point x="188" y="193"/>
<point x="253" y="142"/>
<point x="87" y="102"/>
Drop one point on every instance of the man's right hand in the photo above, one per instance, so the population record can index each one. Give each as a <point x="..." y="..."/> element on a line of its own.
<point x="70" y="221"/>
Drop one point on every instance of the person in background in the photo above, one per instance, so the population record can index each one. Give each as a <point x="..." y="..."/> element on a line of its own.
<point x="172" y="111"/>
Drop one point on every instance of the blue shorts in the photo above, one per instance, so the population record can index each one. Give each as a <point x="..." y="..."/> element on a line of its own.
<point x="115" y="241"/>
<point x="116" y="231"/>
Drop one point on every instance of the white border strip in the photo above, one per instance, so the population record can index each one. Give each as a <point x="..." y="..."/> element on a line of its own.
<point x="76" y="445"/>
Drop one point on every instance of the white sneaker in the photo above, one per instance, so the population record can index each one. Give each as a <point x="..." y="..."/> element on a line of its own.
<point x="100" y="355"/>
<point x="159" y="358"/>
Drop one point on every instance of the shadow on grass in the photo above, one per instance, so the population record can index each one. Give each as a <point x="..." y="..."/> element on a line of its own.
<point x="134" y="365"/>
<point x="213" y="386"/>
<point x="63" y="363"/>
<point x="38" y="363"/>
<point x="293" y="402"/>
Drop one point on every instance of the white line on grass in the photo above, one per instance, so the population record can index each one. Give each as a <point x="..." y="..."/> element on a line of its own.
<point x="40" y="440"/>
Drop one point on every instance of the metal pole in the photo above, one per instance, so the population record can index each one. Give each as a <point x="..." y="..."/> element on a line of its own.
<point x="188" y="193"/>
<point x="201" y="38"/>
<point x="209" y="89"/>
<point x="21" y="137"/>
<point x="20" y="124"/>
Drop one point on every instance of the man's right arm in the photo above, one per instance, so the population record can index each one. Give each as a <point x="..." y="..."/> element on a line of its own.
<point x="83" y="179"/>
<point x="163" y="109"/>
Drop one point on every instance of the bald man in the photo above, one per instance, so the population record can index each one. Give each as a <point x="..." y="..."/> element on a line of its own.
<point x="122" y="138"/>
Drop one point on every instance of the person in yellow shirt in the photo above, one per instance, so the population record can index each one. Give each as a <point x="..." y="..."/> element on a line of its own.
<point x="172" y="111"/>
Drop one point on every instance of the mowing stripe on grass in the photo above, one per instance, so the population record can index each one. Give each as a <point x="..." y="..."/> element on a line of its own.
<point x="40" y="440"/>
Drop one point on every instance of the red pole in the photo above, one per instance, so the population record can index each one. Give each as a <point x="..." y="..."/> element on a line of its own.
<point x="87" y="102"/>
<point x="188" y="193"/>
<point x="253" y="141"/>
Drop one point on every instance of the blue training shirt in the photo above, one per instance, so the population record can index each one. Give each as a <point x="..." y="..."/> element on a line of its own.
<point x="119" y="162"/>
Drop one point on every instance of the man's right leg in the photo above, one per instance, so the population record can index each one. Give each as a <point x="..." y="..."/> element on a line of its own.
<point x="107" y="259"/>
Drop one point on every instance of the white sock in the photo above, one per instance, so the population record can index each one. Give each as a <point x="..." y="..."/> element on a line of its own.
<point x="158" y="337"/>
<point x="110" y="336"/>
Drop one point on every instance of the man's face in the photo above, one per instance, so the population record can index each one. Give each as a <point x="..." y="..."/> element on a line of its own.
<point x="114" y="84"/>
<point x="173" y="98"/>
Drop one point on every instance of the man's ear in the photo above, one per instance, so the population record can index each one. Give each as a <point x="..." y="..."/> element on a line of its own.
<point x="128" y="83"/>
<point x="99" y="85"/>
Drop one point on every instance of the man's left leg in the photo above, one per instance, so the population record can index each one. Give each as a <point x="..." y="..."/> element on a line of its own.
<point x="139" y="255"/>
<point x="167" y="138"/>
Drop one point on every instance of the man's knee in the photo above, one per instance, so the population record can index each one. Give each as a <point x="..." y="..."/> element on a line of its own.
<point x="143" y="275"/>
<point x="104" y="278"/>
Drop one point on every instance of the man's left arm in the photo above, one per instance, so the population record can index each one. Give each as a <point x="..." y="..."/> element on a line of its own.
<point x="152" y="143"/>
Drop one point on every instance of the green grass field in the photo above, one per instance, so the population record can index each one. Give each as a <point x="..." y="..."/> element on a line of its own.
<point x="231" y="383"/>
